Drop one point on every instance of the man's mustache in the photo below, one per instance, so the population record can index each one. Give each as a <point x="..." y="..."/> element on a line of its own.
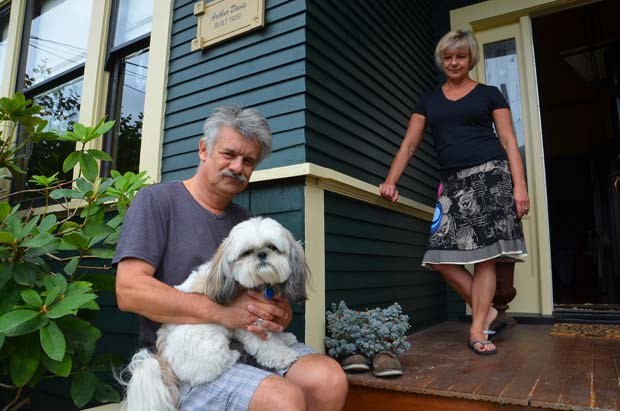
<point x="239" y="177"/>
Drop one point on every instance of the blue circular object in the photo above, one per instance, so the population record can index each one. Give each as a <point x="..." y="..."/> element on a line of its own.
<point x="436" y="218"/>
<point x="268" y="293"/>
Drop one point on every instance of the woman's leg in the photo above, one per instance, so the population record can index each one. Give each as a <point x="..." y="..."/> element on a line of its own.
<point x="461" y="281"/>
<point x="482" y="292"/>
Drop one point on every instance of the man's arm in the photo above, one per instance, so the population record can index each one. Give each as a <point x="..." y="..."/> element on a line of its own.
<point x="138" y="291"/>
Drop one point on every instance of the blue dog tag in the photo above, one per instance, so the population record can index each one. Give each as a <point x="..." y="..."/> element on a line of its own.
<point x="268" y="293"/>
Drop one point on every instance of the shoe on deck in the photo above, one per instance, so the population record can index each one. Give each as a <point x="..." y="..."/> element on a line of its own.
<point x="386" y="364"/>
<point x="355" y="362"/>
<point x="479" y="350"/>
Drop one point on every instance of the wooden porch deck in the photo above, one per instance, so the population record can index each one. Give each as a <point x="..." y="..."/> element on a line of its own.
<point x="532" y="371"/>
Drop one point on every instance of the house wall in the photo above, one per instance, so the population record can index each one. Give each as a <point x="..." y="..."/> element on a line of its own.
<point x="367" y="64"/>
<point x="373" y="257"/>
<point x="264" y="69"/>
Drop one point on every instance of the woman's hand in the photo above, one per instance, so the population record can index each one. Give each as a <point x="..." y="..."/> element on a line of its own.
<point x="522" y="200"/>
<point x="389" y="192"/>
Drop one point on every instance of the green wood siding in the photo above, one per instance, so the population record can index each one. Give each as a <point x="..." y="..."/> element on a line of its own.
<point x="368" y="63"/>
<point x="373" y="257"/>
<point x="264" y="69"/>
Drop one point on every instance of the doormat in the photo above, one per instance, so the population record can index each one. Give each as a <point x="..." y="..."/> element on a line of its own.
<point x="586" y="330"/>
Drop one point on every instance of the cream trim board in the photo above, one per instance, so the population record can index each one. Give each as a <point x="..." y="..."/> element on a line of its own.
<point x="94" y="88"/>
<point x="536" y="171"/>
<point x="493" y="13"/>
<point x="314" y="221"/>
<point x="155" y="94"/>
<point x="14" y="39"/>
<point x="343" y="184"/>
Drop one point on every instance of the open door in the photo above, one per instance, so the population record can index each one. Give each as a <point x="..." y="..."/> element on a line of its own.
<point x="578" y="70"/>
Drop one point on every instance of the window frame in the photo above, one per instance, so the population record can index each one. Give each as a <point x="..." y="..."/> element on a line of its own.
<point x="115" y="66"/>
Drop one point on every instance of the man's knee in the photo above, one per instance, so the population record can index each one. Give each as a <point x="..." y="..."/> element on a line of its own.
<point x="322" y="379"/>
<point x="277" y="394"/>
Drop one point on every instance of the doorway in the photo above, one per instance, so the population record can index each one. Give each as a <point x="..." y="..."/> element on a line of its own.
<point x="578" y="67"/>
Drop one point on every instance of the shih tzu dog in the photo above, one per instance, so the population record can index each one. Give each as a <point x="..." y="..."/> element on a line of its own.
<point x="258" y="254"/>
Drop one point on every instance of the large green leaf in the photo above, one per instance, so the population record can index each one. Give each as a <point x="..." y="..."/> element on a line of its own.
<point x="9" y="296"/>
<point x="13" y="319"/>
<point x="43" y="239"/>
<point x="51" y="296"/>
<point x="29" y="326"/>
<point x="103" y="127"/>
<point x="32" y="298"/>
<point x="74" y="241"/>
<point x="2" y="338"/>
<point x="69" y="305"/>
<point x="6" y="273"/>
<point x="62" y="368"/>
<point x="48" y="223"/>
<point x="105" y="393"/>
<point x="25" y="360"/>
<point x="86" y="351"/>
<point x="53" y="341"/>
<point x="71" y="161"/>
<point x="25" y="273"/>
<point x="99" y="155"/>
<point x="78" y="331"/>
<point x="71" y="266"/>
<point x="83" y="388"/>
<point x="89" y="166"/>
<point x="6" y="237"/>
<point x="22" y="230"/>
<point x="5" y="209"/>
<point x="66" y="193"/>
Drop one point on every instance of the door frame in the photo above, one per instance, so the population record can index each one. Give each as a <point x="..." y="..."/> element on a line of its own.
<point x="493" y="20"/>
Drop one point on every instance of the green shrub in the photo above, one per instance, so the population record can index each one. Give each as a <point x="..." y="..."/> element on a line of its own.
<point x="51" y="260"/>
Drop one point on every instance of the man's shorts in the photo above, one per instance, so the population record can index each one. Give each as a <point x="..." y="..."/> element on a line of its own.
<point x="233" y="390"/>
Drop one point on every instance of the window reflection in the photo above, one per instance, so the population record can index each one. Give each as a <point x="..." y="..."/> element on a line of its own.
<point x="132" y="113"/>
<point x="4" y="34"/>
<point x="60" y="107"/>
<point x="58" y="38"/>
<point x="134" y="20"/>
<point x="502" y="71"/>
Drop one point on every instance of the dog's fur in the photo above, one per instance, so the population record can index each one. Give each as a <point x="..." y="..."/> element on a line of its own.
<point x="256" y="253"/>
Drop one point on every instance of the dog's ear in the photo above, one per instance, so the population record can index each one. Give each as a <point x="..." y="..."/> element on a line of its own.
<point x="220" y="286"/>
<point x="295" y="286"/>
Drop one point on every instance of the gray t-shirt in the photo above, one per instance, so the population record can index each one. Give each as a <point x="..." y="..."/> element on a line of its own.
<point x="166" y="227"/>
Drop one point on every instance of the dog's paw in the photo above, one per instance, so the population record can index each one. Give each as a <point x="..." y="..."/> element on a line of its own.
<point x="288" y="339"/>
<point x="277" y="360"/>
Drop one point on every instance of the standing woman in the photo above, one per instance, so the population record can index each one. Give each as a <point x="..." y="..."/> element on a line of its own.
<point x="482" y="195"/>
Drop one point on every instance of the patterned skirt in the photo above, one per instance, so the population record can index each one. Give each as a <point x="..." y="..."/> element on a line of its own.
<point x="476" y="218"/>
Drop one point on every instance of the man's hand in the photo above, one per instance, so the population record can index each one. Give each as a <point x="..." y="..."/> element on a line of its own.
<point x="252" y="311"/>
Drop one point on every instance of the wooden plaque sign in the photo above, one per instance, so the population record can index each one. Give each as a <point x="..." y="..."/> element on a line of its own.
<point x="222" y="19"/>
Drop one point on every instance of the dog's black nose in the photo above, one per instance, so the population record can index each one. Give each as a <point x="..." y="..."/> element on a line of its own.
<point x="262" y="255"/>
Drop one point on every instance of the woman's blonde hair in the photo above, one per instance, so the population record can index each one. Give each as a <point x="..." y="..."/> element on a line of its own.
<point x="457" y="39"/>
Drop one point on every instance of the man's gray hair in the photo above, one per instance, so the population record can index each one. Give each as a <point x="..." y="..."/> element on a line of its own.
<point x="248" y="121"/>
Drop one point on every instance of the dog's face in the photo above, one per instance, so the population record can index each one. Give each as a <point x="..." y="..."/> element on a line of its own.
<point x="257" y="252"/>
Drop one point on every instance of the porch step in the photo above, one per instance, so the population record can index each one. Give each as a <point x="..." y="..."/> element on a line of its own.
<point x="362" y="398"/>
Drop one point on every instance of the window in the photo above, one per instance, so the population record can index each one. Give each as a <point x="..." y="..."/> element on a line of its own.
<point x="52" y="61"/>
<point x="127" y="62"/>
<point x="4" y="34"/>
